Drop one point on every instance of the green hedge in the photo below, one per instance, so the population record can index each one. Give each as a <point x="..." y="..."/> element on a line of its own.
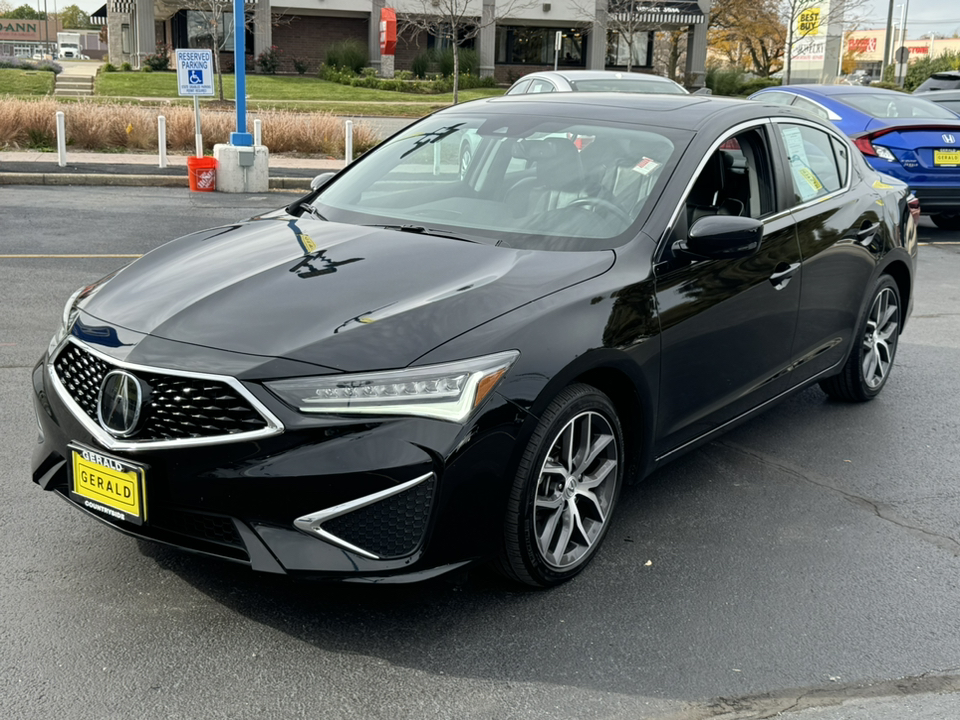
<point x="368" y="79"/>
<point x="919" y="70"/>
<point x="733" y="81"/>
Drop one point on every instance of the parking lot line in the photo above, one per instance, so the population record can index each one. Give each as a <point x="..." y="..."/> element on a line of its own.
<point x="27" y="256"/>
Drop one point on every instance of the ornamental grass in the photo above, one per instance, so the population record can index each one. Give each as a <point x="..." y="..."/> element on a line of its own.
<point x="31" y="124"/>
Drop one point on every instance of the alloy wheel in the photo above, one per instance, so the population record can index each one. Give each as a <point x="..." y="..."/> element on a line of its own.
<point x="880" y="338"/>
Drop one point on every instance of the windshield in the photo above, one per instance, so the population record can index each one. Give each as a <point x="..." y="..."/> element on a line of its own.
<point x="891" y="105"/>
<point x="628" y="85"/>
<point x="518" y="180"/>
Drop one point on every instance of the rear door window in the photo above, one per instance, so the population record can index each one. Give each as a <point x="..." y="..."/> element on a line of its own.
<point x="814" y="162"/>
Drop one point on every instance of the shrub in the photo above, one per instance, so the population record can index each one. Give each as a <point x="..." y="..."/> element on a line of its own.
<point x="109" y="67"/>
<point x="24" y="64"/>
<point x="421" y="65"/>
<point x="159" y="60"/>
<point x="724" y="80"/>
<point x="403" y="75"/>
<point x="348" y="54"/>
<point x="126" y="67"/>
<point x="469" y="61"/>
<point x="300" y="65"/>
<point x="756" y="84"/>
<point x="887" y="85"/>
<point x="146" y="69"/>
<point x="269" y="60"/>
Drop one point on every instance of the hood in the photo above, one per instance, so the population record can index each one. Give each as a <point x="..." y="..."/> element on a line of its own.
<point x="343" y="297"/>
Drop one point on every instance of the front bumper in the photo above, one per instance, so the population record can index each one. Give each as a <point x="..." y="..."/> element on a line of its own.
<point x="375" y="498"/>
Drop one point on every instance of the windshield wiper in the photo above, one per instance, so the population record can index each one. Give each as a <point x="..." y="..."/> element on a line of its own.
<point x="297" y="209"/>
<point x="421" y="230"/>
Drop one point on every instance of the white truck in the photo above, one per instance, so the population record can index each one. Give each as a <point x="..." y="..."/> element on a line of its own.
<point x="68" y="46"/>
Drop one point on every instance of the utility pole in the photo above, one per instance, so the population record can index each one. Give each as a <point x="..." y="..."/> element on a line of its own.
<point x="887" y="41"/>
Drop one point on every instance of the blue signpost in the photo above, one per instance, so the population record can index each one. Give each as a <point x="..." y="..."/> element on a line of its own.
<point x="241" y="137"/>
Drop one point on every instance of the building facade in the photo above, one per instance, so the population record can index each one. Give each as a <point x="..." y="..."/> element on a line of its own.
<point x="511" y="39"/>
<point x="866" y="47"/>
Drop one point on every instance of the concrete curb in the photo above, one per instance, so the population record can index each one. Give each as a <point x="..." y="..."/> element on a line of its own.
<point x="276" y="183"/>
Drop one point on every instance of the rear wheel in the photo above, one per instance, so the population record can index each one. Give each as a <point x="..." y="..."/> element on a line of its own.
<point x="946" y="221"/>
<point x="875" y="346"/>
<point x="565" y="489"/>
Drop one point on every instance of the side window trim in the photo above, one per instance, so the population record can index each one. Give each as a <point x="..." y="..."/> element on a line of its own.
<point x="763" y="123"/>
<point x="784" y="163"/>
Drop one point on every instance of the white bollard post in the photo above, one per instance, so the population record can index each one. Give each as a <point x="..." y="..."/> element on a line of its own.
<point x="61" y="140"/>
<point x="258" y="132"/>
<point x="162" y="139"/>
<point x="348" y="145"/>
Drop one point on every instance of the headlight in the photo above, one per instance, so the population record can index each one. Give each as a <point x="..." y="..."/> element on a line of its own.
<point x="449" y="391"/>
<point x="70" y="313"/>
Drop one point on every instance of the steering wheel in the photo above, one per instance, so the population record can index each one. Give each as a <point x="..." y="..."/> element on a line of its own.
<point x="605" y="204"/>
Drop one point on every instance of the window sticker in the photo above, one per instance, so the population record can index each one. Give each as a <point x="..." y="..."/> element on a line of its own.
<point x="807" y="183"/>
<point x="646" y="166"/>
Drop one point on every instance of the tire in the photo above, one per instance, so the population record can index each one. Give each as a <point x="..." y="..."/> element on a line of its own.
<point x="565" y="490"/>
<point x="875" y="347"/>
<point x="946" y="221"/>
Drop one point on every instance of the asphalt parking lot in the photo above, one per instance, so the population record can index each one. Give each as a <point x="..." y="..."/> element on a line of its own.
<point x="809" y="556"/>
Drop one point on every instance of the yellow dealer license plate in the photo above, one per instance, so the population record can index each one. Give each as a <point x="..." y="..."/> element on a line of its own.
<point x="946" y="157"/>
<point x="108" y="485"/>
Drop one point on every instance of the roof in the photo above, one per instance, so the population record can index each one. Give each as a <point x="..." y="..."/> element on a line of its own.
<point x="833" y="89"/>
<point x="685" y="112"/>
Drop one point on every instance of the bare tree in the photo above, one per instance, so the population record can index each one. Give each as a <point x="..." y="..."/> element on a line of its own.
<point x="670" y="53"/>
<point x="455" y="21"/>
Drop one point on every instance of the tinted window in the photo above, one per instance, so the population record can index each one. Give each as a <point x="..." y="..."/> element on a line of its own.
<point x="894" y="104"/>
<point x="541" y="86"/>
<point x="628" y="85"/>
<point x="736" y="180"/>
<point x="777" y="98"/>
<point x="534" y="181"/>
<point x="940" y="81"/>
<point x="519" y="88"/>
<point x="813" y="162"/>
<point x="811" y="107"/>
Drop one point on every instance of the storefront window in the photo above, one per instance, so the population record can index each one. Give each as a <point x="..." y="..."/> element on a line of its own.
<point x="618" y="49"/>
<point x="519" y="45"/>
<point x="202" y="26"/>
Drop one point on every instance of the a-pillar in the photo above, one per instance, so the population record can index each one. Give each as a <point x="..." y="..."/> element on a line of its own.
<point x="697" y="48"/>
<point x="488" y="38"/>
<point x="262" y="29"/>
<point x="597" y="40"/>
<point x="373" y="35"/>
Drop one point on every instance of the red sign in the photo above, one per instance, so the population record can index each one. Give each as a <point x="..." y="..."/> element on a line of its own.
<point x="388" y="31"/>
<point x="862" y="45"/>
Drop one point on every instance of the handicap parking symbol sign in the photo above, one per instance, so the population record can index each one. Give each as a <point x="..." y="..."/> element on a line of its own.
<point x="195" y="77"/>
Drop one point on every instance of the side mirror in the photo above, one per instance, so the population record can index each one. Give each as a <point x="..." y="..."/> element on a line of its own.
<point x="722" y="237"/>
<point x="320" y="180"/>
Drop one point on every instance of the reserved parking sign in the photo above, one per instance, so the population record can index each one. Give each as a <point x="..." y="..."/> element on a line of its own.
<point x="194" y="72"/>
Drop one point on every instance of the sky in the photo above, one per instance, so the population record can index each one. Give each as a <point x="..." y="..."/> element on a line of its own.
<point x="942" y="16"/>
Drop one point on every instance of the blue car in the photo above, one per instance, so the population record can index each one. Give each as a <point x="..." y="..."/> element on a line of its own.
<point x="909" y="138"/>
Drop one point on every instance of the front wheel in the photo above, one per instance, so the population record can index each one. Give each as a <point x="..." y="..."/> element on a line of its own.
<point x="565" y="489"/>
<point x="875" y="346"/>
<point x="946" y="221"/>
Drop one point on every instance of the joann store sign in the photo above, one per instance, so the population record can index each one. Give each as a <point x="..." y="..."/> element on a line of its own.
<point x="10" y="30"/>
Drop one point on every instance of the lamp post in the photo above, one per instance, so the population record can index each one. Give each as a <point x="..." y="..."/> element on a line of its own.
<point x="241" y="137"/>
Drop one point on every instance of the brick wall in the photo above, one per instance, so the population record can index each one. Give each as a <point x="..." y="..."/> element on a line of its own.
<point x="309" y="37"/>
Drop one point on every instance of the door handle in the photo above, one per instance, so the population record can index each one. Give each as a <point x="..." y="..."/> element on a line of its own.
<point x="783" y="274"/>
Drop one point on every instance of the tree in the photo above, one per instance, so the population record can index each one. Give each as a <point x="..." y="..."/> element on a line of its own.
<point x="5" y="8"/>
<point x="74" y="18"/>
<point x="749" y="30"/>
<point x="670" y="53"/>
<point x="454" y="22"/>
<point x="25" y="12"/>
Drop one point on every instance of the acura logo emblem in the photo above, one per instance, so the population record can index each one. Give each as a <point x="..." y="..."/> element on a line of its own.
<point x="118" y="405"/>
<point x="947" y="138"/>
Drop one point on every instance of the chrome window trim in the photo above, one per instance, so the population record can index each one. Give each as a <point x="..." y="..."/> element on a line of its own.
<point x="831" y="114"/>
<point x="274" y="426"/>
<point x="714" y="146"/>
<point x="311" y="523"/>
<point x="829" y="132"/>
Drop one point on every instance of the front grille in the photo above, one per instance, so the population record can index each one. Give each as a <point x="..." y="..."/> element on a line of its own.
<point x="390" y="528"/>
<point x="174" y="408"/>
<point x="210" y="528"/>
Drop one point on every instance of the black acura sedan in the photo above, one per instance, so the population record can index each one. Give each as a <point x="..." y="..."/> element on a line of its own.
<point x="415" y="366"/>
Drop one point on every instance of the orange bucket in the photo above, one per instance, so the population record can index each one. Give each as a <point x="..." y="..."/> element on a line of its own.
<point x="203" y="173"/>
